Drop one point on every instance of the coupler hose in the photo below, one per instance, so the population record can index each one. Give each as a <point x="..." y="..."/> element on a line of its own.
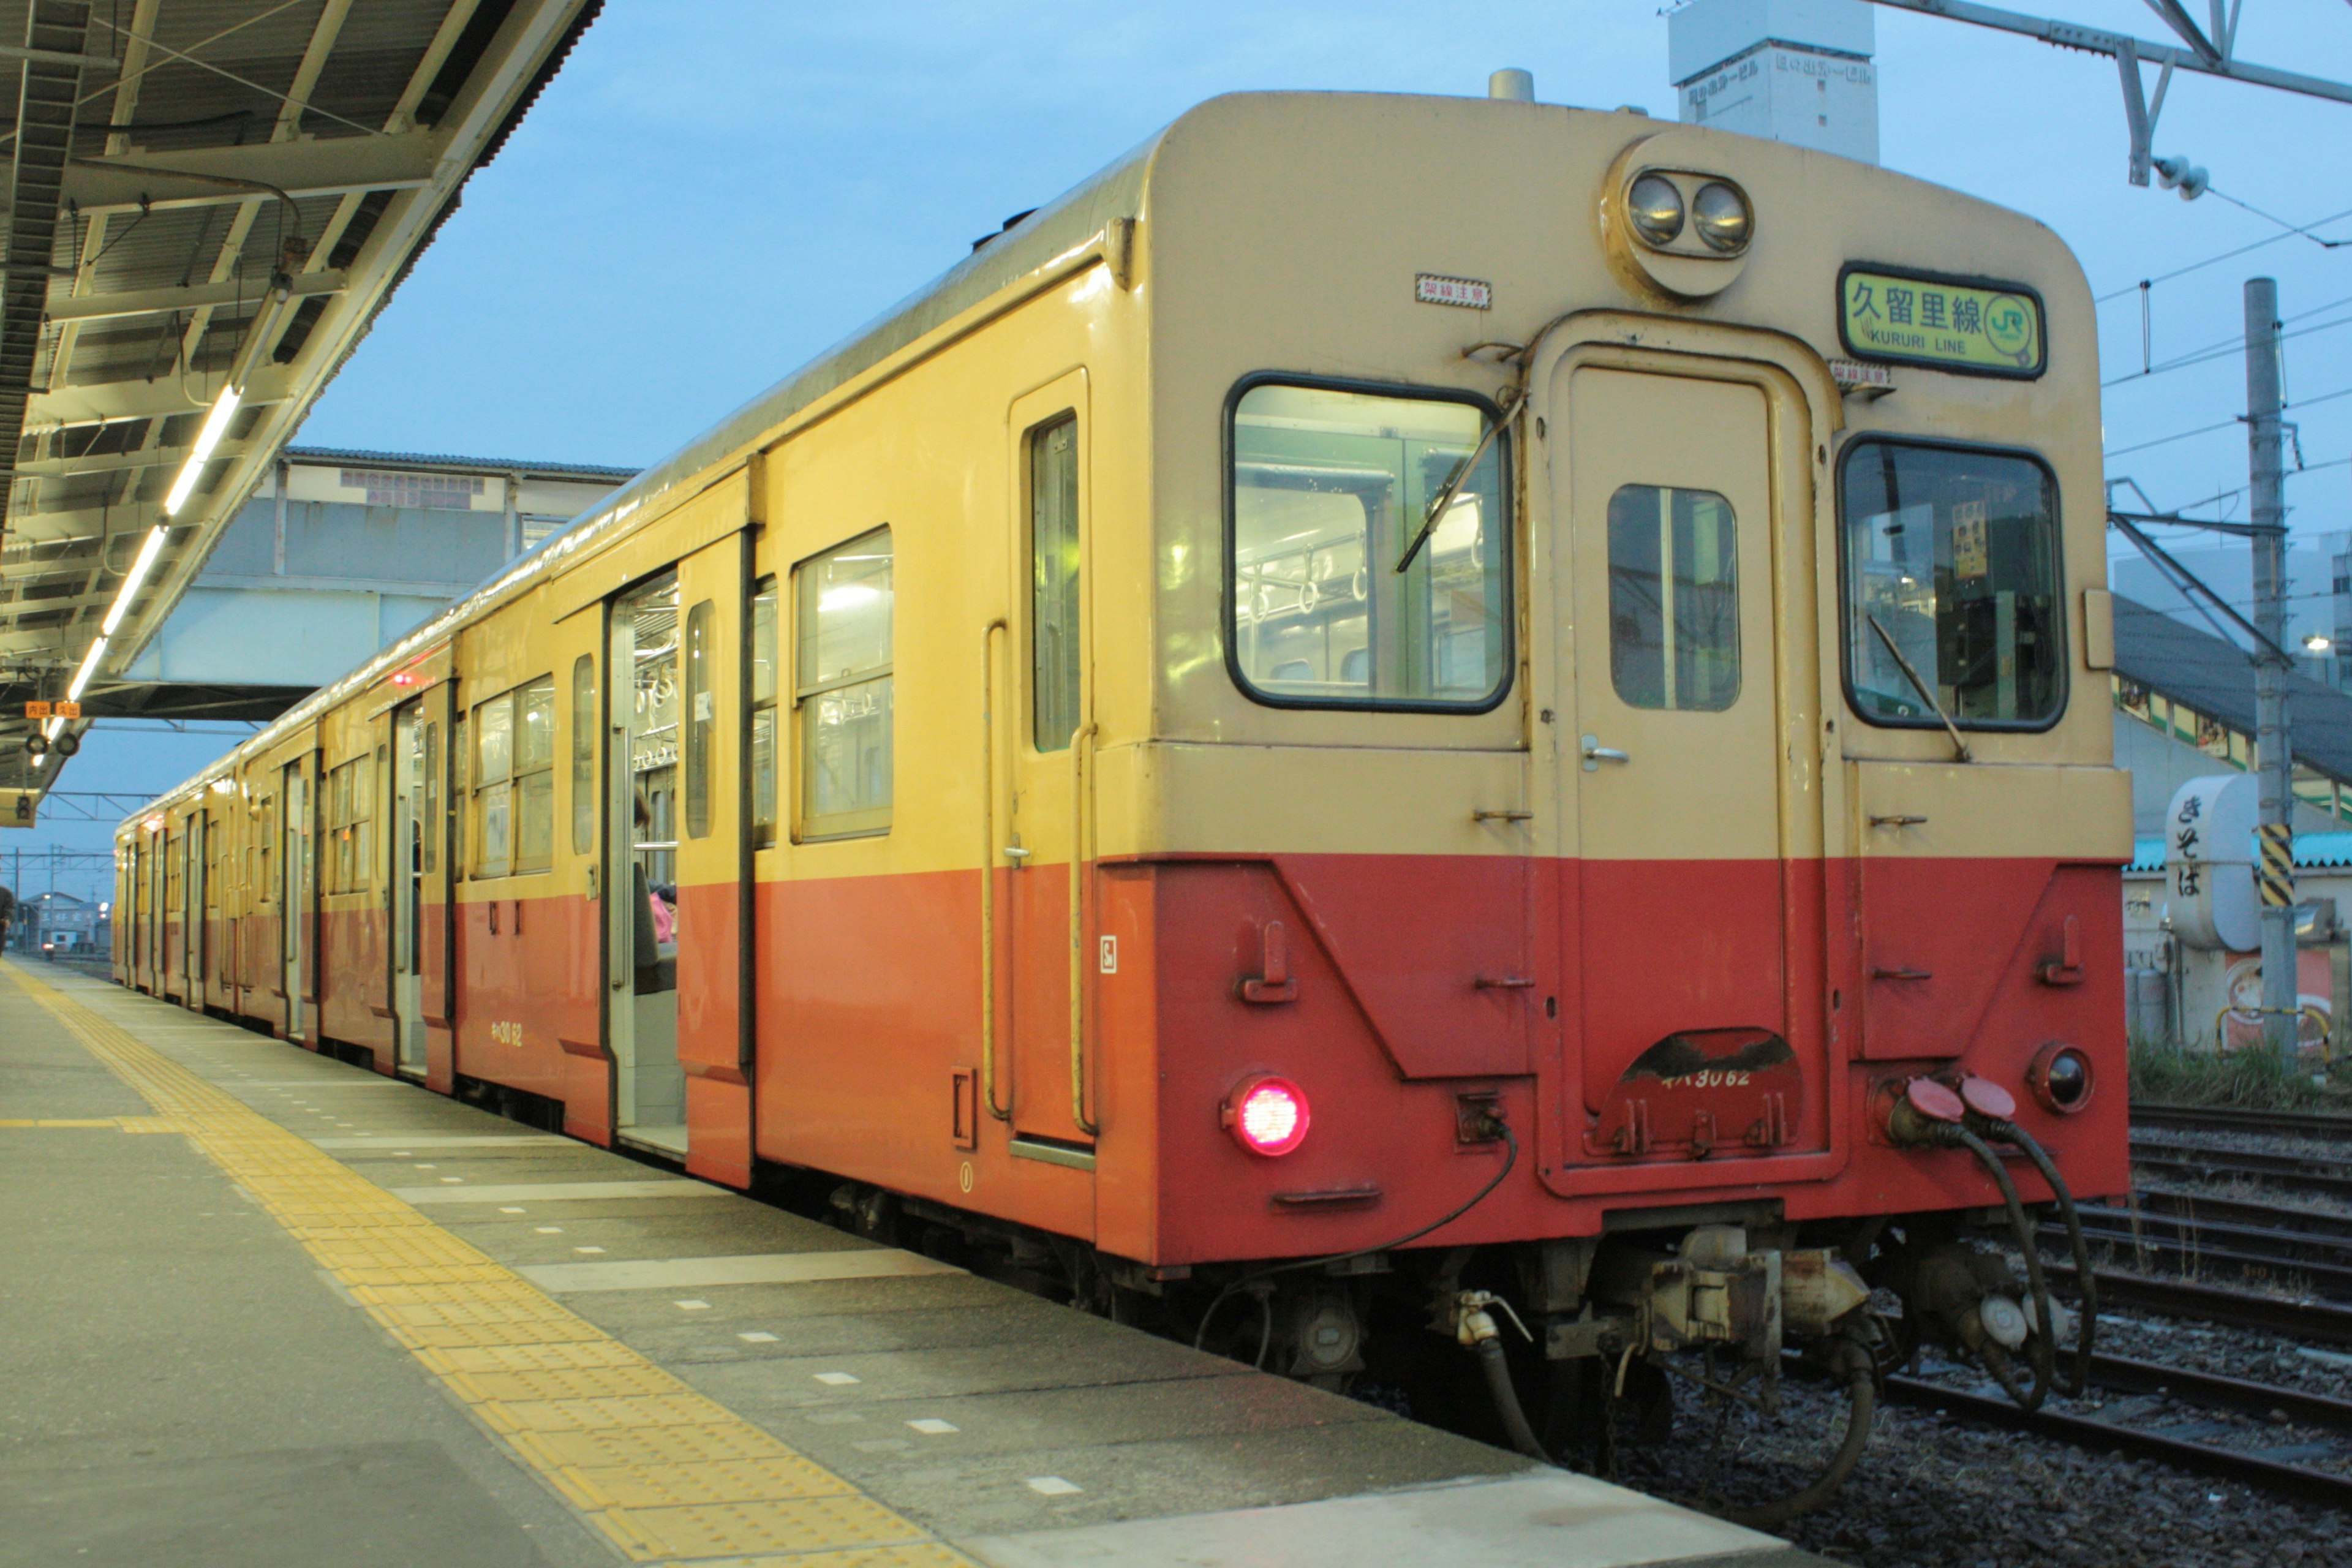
<point x="1862" y="1405"/>
<point x="2086" y="1331"/>
<point x="2045" y="1369"/>
<point x="1497" y="1368"/>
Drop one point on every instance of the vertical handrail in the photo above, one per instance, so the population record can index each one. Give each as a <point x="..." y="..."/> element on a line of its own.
<point x="988" y="871"/>
<point x="1079" y="743"/>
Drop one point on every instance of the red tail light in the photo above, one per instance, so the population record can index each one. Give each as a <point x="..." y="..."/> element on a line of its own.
<point x="1268" y="1115"/>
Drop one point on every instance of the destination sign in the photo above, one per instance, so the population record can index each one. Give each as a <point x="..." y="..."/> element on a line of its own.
<point x="1980" y="327"/>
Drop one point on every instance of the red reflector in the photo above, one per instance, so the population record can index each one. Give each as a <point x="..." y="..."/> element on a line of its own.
<point x="1268" y="1116"/>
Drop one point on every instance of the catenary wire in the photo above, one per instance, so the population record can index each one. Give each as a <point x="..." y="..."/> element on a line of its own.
<point x="2225" y="256"/>
<point x="2225" y="424"/>
<point x="2233" y="345"/>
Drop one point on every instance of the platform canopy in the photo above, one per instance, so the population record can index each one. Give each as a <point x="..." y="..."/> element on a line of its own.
<point x="208" y="202"/>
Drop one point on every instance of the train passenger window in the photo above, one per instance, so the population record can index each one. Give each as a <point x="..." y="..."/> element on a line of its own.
<point x="842" y="687"/>
<point x="1332" y="489"/>
<point x="763" y="712"/>
<point x="350" y="802"/>
<point x="1054" y="647"/>
<point x="429" y="807"/>
<point x="514" y="780"/>
<point x="583" y="754"/>
<point x="461" y="791"/>
<point x="534" y="776"/>
<point x="1674" y="598"/>
<point x="494" y="787"/>
<point x="701" y="714"/>
<point x="1951" y="569"/>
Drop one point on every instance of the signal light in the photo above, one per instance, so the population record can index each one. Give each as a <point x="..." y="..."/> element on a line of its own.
<point x="2060" y="1077"/>
<point x="1268" y="1115"/>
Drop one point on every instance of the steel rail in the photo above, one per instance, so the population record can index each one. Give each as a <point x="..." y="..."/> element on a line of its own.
<point x="2236" y="1119"/>
<point x="2313" y="1321"/>
<point x="2124" y="1374"/>
<point x="2197" y="1228"/>
<point x="2294" y="1481"/>
<point x="2170" y="1203"/>
<point x="2332" y="1280"/>
<point x="2289" y="1172"/>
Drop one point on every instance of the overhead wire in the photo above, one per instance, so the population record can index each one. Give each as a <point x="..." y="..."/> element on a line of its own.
<point x="2224" y="424"/>
<point x="2228" y="255"/>
<point x="2233" y="345"/>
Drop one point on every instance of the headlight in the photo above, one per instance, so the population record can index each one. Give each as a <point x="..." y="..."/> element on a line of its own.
<point x="1721" y="215"/>
<point x="1656" y="209"/>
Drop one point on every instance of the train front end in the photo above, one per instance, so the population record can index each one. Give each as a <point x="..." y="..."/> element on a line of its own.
<point x="1629" y="835"/>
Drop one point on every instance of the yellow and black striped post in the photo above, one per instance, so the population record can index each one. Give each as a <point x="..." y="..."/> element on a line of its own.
<point x="2276" y="872"/>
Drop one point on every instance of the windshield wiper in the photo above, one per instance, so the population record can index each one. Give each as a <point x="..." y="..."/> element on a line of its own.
<point x="1454" y="483"/>
<point x="1949" y="727"/>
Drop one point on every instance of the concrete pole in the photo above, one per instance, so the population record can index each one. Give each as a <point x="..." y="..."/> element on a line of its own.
<point x="2275" y="869"/>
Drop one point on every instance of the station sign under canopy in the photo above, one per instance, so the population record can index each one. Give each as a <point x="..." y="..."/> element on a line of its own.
<point x="1976" y="326"/>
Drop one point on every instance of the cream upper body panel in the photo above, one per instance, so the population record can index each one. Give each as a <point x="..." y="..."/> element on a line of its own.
<point x="1284" y="233"/>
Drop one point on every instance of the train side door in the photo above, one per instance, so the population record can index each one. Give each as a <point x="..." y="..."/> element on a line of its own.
<point x="192" y="920"/>
<point x="406" y="845"/>
<point x="1048" y="904"/>
<point x="294" y="923"/>
<point x="1697" y="950"/>
<point x="642" y="720"/>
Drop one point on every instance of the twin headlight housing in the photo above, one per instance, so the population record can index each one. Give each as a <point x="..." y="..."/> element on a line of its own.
<point x="1688" y="214"/>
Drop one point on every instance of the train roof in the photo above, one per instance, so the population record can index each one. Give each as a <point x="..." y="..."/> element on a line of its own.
<point x="1025" y="247"/>
<point x="1035" y="241"/>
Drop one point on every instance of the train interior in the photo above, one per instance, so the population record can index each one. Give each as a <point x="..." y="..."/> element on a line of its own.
<point x="642" y="818"/>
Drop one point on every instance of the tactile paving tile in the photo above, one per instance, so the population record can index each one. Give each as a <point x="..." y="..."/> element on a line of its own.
<point x="667" y="1473"/>
<point x="911" y="1554"/>
<point x="619" y="1414"/>
<point x="627" y="1381"/>
<point x="793" y="1524"/>
<point x="528" y="1357"/>
<point x="675" y="1484"/>
<point x="709" y="1444"/>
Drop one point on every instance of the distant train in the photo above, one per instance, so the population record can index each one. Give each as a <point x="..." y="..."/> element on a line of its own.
<point x="1455" y="661"/>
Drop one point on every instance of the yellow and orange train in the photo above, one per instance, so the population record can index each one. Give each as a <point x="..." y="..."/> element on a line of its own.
<point x="1383" y="650"/>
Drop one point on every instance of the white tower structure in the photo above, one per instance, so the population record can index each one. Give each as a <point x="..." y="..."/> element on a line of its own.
<point x="1794" y="70"/>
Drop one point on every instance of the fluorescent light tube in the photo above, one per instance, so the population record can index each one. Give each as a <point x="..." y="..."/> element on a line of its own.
<point x="215" y="426"/>
<point x="88" y="668"/>
<point x="140" y="567"/>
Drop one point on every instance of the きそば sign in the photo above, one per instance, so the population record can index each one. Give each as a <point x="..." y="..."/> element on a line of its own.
<point x="1978" y="327"/>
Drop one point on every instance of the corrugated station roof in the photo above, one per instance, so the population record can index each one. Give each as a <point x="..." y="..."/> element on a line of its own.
<point x="2313" y="852"/>
<point x="208" y="202"/>
<point x="2215" y="678"/>
<point x="441" y="463"/>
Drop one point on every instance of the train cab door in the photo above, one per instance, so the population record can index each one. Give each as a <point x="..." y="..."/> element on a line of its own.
<point x="405" y="843"/>
<point x="1695" y="945"/>
<point x="295" y="924"/>
<point x="641" y="817"/>
<point x="1050" y="961"/>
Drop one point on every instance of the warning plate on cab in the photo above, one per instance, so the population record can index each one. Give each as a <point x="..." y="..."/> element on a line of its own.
<point x="1976" y="326"/>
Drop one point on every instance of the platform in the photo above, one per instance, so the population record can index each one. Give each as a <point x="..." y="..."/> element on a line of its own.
<point x="266" y="1310"/>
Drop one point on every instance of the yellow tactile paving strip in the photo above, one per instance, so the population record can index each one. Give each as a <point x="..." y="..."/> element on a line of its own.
<point x="669" y="1475"/>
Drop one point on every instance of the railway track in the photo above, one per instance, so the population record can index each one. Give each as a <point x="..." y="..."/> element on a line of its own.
<point x="2150" y="1423"/>
<point x="2335" y="1124"/>
<point x="2313" y="1322"/>
<point x="2318" y="1174"/>
<point x="2260" y="1243"/>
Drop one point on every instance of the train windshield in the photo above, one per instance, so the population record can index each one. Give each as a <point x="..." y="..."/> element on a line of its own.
<point x="1952" y="586"/>
<point x="1330" y="486"/>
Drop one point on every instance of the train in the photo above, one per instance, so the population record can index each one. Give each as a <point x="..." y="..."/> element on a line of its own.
<point x="1502" y="730"/>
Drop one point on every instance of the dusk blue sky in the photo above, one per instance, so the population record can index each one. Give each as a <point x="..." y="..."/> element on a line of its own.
<point x="713" y="191"/>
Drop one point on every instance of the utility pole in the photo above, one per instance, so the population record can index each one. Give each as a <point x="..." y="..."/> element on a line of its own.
<point x="2276" y="870"/>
